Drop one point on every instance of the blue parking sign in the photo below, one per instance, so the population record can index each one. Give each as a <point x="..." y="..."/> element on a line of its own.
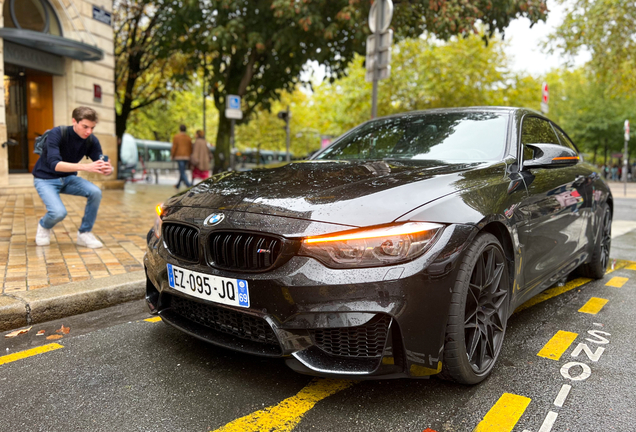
<point x="234" y="102"/>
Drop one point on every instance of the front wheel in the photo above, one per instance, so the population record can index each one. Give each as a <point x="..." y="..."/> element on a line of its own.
<point x="478" y="312"/>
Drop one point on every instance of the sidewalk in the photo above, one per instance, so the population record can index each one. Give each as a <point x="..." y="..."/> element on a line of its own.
<point x="63" y="278"/>
<point x="41" y="283"/>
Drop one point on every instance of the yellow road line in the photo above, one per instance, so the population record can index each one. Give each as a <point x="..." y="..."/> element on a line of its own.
<point x="552" y="292"/>
<point x="286" y="415"/>
<point x="617" y="282"/>
<point x="504" y="415"/>
<point x="153" y="319"/>
<point x="28" y="353"/>
<point x="593" y="305"/>
<point x="620" y="264"/>
<point x="556" y="346"/>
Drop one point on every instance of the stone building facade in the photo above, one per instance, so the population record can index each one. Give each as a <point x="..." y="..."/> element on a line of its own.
<point x="56" y="55"/>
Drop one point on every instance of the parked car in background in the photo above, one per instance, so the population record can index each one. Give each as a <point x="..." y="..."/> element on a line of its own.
<point x="400" y="250"/>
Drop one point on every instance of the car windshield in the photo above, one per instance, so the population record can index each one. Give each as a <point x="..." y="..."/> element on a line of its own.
<point x="456" y="136"/>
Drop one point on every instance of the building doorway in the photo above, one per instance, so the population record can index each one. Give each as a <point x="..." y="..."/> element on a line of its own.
<point x="29" y="113"/>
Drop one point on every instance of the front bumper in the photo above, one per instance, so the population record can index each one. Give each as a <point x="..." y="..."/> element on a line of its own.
<point x="384" y="322"/>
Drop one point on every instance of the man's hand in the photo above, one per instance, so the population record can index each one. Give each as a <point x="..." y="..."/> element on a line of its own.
<point x="107" y="168"/>
<point x="99" y="167"/>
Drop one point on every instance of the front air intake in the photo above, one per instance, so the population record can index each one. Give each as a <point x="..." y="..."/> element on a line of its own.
<point x="182" y="241"/>
<point x="243" y="251"/>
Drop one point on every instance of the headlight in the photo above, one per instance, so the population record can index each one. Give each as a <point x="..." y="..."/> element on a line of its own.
<point x="373" y="247"/>
<point x="158" y="222"/>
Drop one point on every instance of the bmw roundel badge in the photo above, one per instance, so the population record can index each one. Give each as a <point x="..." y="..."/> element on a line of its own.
<point x="214" y="219"/>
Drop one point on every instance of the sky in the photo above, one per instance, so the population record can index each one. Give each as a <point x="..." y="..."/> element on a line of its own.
<point x="525" y="49"/>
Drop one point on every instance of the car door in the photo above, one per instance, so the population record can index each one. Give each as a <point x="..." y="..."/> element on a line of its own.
<point x="551" y="234"/>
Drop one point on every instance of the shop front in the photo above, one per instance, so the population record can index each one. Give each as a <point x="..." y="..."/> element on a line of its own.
<point x="56" y="55"/>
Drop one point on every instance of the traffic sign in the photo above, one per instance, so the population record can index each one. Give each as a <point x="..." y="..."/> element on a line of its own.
<point x="383" y="59"/>
<point x="233" y="107"/>
<point x="385" y="16"/>
<point x="386" y="39"/>
<point x="545" y="97"/>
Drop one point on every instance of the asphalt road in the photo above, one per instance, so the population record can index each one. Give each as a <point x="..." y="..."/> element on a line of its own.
<point x="114" y="371"/>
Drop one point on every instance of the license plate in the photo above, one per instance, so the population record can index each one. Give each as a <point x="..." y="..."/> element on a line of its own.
<point x="233" y="292"/>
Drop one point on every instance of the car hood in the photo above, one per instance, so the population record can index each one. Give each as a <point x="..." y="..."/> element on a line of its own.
<point x="339" y="192"/>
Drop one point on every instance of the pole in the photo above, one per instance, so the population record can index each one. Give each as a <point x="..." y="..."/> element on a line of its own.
<point x="625" y="157"/>
<point x="376" y="60"/>
<point x="232" y="122"/>
<point x="288" y="157"/>
<point x="625" y="166"/>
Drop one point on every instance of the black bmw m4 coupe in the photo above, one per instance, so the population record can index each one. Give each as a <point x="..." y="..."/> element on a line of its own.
<point x="400" y="250"/>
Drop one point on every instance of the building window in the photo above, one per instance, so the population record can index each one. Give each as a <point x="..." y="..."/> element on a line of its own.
<point x="34" y="15"/>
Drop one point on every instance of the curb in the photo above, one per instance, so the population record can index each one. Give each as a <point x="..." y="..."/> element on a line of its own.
<point x="31" y="307"/>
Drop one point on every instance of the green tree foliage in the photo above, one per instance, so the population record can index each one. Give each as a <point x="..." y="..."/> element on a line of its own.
<point x="257" y="48"/>
<point x="589" y="112"/>
<point x="161" y="120"/>
<point x="147" y="66"/>
<point x="607" y="29"/>
<point x="427" y="74"/>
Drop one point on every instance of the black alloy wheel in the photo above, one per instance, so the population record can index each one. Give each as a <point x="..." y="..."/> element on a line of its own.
<point x="478" y="312"/>
<point x="606" y="238"/>
<point x="595" y="269"/>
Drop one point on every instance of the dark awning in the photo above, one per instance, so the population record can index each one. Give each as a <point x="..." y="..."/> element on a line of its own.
<point x="53" y="44"/>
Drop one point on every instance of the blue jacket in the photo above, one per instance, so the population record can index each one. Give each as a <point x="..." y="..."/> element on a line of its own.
<point x="55" y="151"/>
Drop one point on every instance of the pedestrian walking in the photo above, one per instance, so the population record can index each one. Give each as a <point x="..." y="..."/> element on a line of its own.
<point x="181" y="151"/>
<point x="200" y="158"/>
<point x="56" y="170"/>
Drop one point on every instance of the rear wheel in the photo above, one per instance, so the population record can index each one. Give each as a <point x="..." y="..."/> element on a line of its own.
<point x="597" y="266"/>
<point x="478" y="313"/>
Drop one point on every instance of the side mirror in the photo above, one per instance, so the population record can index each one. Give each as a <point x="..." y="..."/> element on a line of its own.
<point x="551" y="156"/>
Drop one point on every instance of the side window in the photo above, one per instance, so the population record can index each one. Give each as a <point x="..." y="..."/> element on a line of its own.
<point x="565" y="141"/>
<point x="537" y="131"/>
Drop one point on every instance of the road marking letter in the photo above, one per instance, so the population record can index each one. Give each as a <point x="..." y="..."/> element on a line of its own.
<point x="585" y="374"/>
<point x="594" y="356"/>
<point x="504" y="415"/>
<point x="596" y="333"/>
<point x="556" y="346"/>
<point x="617" y="282"/>
<point x="593" y="306"/>
<point x="30" y="352"/>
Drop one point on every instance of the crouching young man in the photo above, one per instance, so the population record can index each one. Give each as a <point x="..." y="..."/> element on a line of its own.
<point x="56" y="173"/>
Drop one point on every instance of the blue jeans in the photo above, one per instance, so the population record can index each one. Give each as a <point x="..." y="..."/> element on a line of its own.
<point x="183" y="164"/>
<point x="50" y="190"/>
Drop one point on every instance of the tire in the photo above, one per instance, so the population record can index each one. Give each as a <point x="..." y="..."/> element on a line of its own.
<point x="597" y="266"/>
<point x="478" y="312"/>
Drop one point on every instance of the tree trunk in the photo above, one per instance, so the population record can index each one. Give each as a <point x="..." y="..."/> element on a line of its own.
<point x="222" y="150"/>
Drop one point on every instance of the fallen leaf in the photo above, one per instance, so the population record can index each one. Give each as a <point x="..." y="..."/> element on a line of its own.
<point x="17" y="332"/>
<point x="41" y="333"/>
<point x="63" y="330"/>
<point x="52" y="337"/>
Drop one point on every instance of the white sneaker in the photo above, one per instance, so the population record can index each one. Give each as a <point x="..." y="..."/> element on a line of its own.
<point x="88" y="239"/>
<point x="43" y="236"/>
